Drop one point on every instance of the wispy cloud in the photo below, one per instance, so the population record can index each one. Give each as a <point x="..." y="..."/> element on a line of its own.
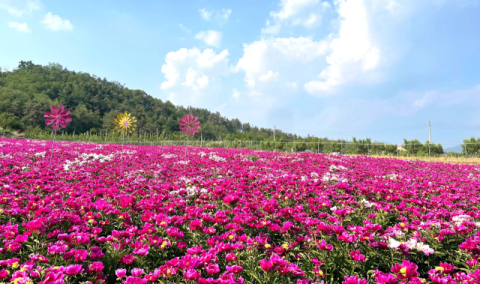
<point x="55" y="23"/>
<point x="20" y="7"/>
<point x="206" y="15"/>
<point x="221" y="16"/>
<point x="21" y="27"/>
<point x="211" y="38"/>
<point x="185" y="29"/>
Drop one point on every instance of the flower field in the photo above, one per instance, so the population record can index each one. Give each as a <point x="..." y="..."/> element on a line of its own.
<point x="232" y="216"/>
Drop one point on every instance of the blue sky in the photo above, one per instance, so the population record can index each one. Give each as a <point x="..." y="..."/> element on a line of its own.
<point x="337" y="69"/>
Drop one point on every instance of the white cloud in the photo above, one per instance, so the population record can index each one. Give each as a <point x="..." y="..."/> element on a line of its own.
<point x="20" y="7"/>
<point x="206" y="15"/>
<point x="272" y="29"/>
<point x="292" y="85"/>
<point x="19" y="27"/>
<point x="307" y="13"/>
<point x="211" y="38"/>
<point x="236" y="93"/>
<point x="268" y="58"/>
<point x="221" y="16"/>
<point x="185" y="29"/>
<point x="353" y="51"/>
<point x="190" y="73"/>
<point x="269" y="76"/>
<point x="195" y="79"/>
<point x="273" y="68"/>
<point x="55" y="23"/>
<point x="225" y="14"/>
<point x="426" y="99"/>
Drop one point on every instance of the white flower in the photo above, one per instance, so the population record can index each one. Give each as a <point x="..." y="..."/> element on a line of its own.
<point x="392" y="243"/>
<point x="366" y="203"/>
<point x="217" y="158"/>
<point x="40" y="154"/>
<point x="426" y="249"/>
<point x="411" y="244"/>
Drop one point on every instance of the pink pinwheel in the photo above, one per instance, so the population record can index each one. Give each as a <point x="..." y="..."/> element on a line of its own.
<point x="58" y="117"/>
<point x="189" y="124"/>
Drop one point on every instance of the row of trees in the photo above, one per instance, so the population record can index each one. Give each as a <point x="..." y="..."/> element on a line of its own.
<point x="28" y="91"/>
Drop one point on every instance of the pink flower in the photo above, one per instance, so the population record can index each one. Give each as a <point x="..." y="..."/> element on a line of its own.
<point x="80" y="255"/>
<point x="96" y="266"/>
<point x="58" y="117"/>
<point x="472" y="262"/>
<point x="191" y="274"/>
<point x="4" y="274"/>
<point x="354" y="280"/>
<point x="324" y="246"/>
<point x="196" y="225"/>
<point x="231" y="257"/>
<point x="384" y="278"/>
<point x="194" y="250"/>
<point x="405" y="270"/>
<point x="73" y="269"/>
<point x="212" y="268"/>
<point x="134" y="280"/>
<point x="266" y="265"/>
<point x="189" y="124"/>
<point x="128" y="259"/>
<point x="96" y="252"/>
<point x="181" y="245"/>
<point x="121" y="272"/>
<point x="53" y="278"/>
<point x="136" y="272"/>
<point x="357" y="255"/>
<point x="234" y="269"/>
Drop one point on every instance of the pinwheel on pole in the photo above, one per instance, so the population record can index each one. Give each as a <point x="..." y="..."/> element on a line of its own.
<point x="189" y="126"/>
<point x="58" y="117"/>
<point x="125" y="123"/>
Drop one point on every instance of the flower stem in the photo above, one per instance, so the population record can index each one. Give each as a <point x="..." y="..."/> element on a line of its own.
<point x="123" y="141"/>
<point x="186" y="147"/>
<point x="53" y="145"/>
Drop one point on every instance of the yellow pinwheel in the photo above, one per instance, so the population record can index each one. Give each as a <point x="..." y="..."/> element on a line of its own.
<point x="125" y="123"/>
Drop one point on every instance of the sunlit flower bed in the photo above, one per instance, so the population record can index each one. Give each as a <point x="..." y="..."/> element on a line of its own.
<point x="232" y="216"/>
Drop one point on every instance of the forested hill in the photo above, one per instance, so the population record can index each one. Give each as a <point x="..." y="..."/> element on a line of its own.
<point x="27" y="92"/>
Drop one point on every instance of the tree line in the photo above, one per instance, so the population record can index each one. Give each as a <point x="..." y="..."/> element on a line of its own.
<point x="29" y="90"/>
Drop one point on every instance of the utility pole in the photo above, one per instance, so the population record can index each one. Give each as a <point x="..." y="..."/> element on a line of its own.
<point x="429" y="137"/>
<point x="429" y="133"/>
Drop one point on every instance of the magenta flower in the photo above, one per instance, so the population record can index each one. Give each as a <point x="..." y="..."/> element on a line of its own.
<point x="385" y="278"/>
<point x="121" y="272"/>
<point x="189" y="124"/>
<point x="234" y="269"/>
<point x="212" y="268"/>
<point x="4" y="274"/>
<point x="357" y="255"/>
<point x="58" y="117"/>
<point x="136" y="272"/>
<point x="191" y="274"/>
<point x="354" y="280"/>
<point x="81" y="255"/>
<point x="324" y="246"/>
<point x="96" y="266"/>
<point x="73" y="269"/>
<point x="405" y="270"/>
<point x="266" y="265"/>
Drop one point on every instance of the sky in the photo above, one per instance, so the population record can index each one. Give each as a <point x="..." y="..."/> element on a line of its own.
<point x="331" y="68"/>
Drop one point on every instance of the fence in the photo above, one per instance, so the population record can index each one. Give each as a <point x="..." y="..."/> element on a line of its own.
<point x="469" y="150"/>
